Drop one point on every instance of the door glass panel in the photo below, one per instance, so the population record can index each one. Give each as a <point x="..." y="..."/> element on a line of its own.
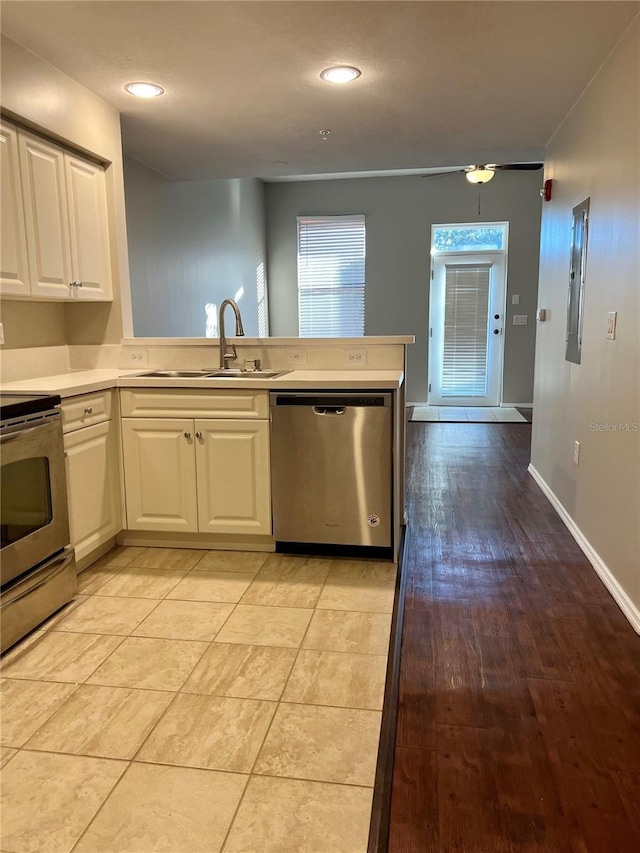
<point x="466" y="320"/>
<point x="468" y="238"/>
<point x="25" y="498"/>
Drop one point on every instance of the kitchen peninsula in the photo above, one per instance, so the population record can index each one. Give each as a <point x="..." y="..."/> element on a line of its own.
<point x="185" y="461"/>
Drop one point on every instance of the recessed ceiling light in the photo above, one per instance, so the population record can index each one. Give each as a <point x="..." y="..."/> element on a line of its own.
<point x="340" y="74"/>
<point x="144" y="90"/>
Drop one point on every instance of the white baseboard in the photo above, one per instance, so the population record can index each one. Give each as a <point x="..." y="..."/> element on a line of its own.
<point x="602" y="570"/>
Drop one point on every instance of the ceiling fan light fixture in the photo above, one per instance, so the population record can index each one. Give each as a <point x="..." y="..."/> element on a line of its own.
<point x="479" y="175"/>
<point x="340" y="74"/>
<point x="144" y="90"/>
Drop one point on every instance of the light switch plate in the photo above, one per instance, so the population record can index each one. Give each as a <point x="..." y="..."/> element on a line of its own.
<point x="1" y="333"/>
<point x="515" y="299"/>
<point x="576" y="452"/>
<point x="520" y="319"/>
<point x="611" y="325"/>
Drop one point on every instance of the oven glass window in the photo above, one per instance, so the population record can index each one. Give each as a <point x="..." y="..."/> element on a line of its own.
<point x="25" y="498"/>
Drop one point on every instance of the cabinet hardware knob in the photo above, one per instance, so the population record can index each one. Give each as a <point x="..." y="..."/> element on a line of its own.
<point x="198" y="435"/>
<point x="187" y="435"/>
<point x="88" y="410"/>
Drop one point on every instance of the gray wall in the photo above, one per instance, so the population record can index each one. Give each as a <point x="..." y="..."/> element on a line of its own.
<point x="400" y="212"/>
<point x="191" y="243"/>
<point x="594" y="154"/>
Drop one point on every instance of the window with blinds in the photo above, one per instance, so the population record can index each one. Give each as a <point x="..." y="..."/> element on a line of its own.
<point x="466" y="331"/>
<point x="331" y="259"/>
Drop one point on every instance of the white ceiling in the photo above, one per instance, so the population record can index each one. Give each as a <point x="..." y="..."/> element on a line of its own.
<point x="443" y="83"/>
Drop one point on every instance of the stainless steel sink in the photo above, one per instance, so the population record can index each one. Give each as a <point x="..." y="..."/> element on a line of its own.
<point x="213" y="374"/>
<point x="177" y="374"/>
<point x="230" y="373"/>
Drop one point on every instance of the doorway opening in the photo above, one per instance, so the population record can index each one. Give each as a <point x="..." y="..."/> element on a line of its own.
<point x="466" y="313"/>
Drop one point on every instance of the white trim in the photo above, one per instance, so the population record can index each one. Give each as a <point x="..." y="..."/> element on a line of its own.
<point x="602" y="570"/>
<point x="515" y="405"/>
<point x="366" y="340"/>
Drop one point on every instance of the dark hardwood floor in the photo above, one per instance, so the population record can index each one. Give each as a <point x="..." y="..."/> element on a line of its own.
<point x="519" y="711"/>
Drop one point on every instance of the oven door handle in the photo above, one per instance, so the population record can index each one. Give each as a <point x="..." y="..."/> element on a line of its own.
<point x="54" y="568"/>
<point x="20" y="433"/>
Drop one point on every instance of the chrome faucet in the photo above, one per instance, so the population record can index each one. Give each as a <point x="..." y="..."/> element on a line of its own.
<point x="228" y="351"/>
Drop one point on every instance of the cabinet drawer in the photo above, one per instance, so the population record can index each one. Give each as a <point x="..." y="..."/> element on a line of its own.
<point x="234" y="403"/>
<point x="86" y="410"/>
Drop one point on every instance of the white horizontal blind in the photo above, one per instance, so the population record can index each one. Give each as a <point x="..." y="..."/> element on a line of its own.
<point x="466" y="330"/>
<point x="331" y="256"/>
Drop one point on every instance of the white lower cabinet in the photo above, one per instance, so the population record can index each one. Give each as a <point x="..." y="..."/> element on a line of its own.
<point x="233" y="473"/>
<point x="160" y="474"/>
<point x="197" y="475"/>
<point x="93" y="486"/>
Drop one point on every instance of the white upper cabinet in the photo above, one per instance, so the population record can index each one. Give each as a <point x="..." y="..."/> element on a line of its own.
<point x="89" y="235"/>
<point x="58" y="202"/>
<point x="14" y="278"/>
<point x="45" y="207"/>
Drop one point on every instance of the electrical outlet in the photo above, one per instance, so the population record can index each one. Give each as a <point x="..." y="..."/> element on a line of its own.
<point x="297" y="356"/>
<point x="576" y="452"/>
<point x="515" y="299"/>
<point x="137" y="357"/>
<point x="355" y="356"/>
<point x="520" y="319"/>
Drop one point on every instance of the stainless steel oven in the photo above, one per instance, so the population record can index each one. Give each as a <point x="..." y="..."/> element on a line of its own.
<point x="37" y="565"/>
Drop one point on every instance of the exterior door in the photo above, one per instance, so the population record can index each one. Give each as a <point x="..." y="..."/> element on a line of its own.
<point x="234" y="487"/>
<point x="160" y="474"/>
<point x="467" y="307"/>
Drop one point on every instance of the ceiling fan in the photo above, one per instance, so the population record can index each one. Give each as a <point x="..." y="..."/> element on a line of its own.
<point x="483" y="173"/>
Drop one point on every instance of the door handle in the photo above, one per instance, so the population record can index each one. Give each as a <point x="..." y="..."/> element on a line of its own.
<point x="329" y="410"/>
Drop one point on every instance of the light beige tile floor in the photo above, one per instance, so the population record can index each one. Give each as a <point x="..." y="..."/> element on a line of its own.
<point x="202" y="701"/>
<point x="473" y="414"/>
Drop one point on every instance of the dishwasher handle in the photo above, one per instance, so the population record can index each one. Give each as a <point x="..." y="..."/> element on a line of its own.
<point x="329" y="410"/>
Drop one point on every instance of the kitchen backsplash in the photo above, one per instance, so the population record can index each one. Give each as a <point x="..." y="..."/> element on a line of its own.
<point x="377" y="353"/>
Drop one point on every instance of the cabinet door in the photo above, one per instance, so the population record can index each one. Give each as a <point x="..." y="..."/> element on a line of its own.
<point x="93" y="486"/>
<point x="46" y="219"/>
<point x="14" y="276"/>
<point x="234" y="487"/>
<point x="159" y="474"/>
<point x="88" y="229"/>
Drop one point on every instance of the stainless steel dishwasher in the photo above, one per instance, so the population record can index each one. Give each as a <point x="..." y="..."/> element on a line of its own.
<point x="331" y="468"/>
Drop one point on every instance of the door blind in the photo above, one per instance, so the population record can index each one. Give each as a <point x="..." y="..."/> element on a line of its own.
<point x="466" y="329"/>
<point x="331" y="262"/>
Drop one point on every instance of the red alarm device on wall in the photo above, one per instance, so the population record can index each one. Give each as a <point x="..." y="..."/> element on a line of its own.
<point x="545" y="192"/>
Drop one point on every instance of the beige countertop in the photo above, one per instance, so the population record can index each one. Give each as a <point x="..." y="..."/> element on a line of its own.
<point x="85" y="381"/>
